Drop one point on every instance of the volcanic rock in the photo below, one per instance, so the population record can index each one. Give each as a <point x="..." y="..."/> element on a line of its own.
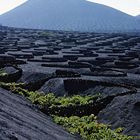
<point x="123" y="112"/>
<point x="20" y="120"/>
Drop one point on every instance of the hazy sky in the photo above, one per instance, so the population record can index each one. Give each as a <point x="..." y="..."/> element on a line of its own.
<point x="131" y="7"/>
<point x="6" y="5"/>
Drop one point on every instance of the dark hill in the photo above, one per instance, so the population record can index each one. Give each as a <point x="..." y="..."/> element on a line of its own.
<point x="77" y="15"/>
<point x="19" y="120"/>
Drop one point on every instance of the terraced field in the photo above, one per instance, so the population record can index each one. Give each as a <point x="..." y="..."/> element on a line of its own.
<point x="68" y="64"/>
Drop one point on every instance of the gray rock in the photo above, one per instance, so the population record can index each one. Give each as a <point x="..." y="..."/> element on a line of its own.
<point x="19" y="120"/>
<point x="123" y="111"/>
<point x="31" y="77"/>
<point x="55" y="86"/>
<point x="33" y="80"/>
<point x="10" y="70"/>
<point x="12" y="74"/>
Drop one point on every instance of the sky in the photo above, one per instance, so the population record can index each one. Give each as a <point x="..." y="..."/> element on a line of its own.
<point x="131" y="7"/>
<point x="7" y="5"/>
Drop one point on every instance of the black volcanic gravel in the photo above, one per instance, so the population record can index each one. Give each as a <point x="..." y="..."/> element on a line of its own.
<point x="67" y="63"/>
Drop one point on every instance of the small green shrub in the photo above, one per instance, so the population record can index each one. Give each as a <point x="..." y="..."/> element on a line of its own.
<point x="74" y="100"/>
<point x="49" y="99"/>
<point x="87" y="126"/>
<point x="2" y="73"/>
<point x="89" y="129"/>
<point x="12" y="86"/>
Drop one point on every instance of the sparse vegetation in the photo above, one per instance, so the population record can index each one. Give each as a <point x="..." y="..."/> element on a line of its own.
<point x="49" y="99"/>
<point x="89" y="129"/>
<point x="2" y="73"/>
<point x="86" y="126"/>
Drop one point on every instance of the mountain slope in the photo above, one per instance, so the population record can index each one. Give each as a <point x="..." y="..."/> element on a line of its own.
<point x="78" y="15"/>
<point x="138" y="16"/>
<point x="19" y="120"/>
